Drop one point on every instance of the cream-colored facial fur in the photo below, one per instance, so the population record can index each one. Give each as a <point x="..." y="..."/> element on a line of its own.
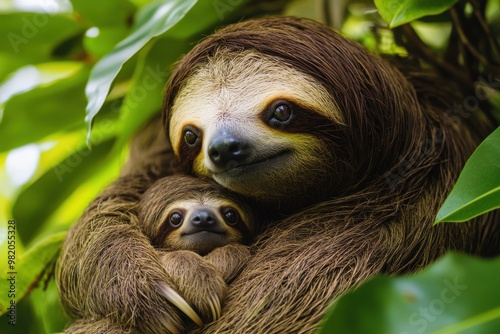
<point x="228" y="94"/>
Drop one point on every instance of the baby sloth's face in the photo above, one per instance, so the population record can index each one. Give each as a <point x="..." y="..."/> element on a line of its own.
<point x="202" y="225"/>
<point x="180" y="212"/>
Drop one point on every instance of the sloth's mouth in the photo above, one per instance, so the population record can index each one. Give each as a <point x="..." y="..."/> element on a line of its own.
<point x="204" y="242"/>
<point x="203" y="233"/>
<point x="259" y="164"/>
<point x="260" y="178"/>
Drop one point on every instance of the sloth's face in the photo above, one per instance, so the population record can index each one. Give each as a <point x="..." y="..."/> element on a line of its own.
<point x="254" y="125"/>
<point x="203" y="225"/>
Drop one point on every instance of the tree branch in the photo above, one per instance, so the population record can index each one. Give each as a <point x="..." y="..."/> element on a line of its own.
<point x="416" y="45"/>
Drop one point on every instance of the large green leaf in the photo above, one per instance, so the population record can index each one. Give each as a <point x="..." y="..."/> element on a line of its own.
<point x="457" y="294"/>
<point x="478" y="188"/>
<point x="103" y="13"/>
<point x="41" y="100"/>
<point x="204" y="15"/>
<point x="107" y="30"/>
<point x="152" y="20"/>
<point x="8" y="64"/>
<point x="40" y="199"/>
<point x="145" y="96"/>
<point x="28" y="269"/>
<point x="397" y="12"/>
<point x="32" y="37"/>
<point x="100" y="41"/>
<point x="47" y="307"/>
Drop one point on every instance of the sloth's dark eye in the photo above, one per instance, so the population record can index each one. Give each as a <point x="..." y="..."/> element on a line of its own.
<point x="282" y="112"/>
<point x="175" y="219"/>
<point x="190" y="137"/>
<point x="231" y="216"/>
<point x="279" y="114"/>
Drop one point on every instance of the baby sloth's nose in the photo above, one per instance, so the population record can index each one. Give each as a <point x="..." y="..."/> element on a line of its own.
<point x="204" y="219"/>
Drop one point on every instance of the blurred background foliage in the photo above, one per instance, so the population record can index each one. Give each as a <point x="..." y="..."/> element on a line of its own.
<point x="66" y="65"/>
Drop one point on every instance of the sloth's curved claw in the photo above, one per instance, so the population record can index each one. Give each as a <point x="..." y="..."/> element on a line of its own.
<point x="180" y="303"/>
<point x="212" y="309"/>
<point x="170" y="326"/>
<point x="219" y="309"/>
<point x="215" y="307"/>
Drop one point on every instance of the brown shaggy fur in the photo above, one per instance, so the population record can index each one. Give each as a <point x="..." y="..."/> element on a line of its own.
<point x="404" y="154"/>
<point x="127" y="265"/>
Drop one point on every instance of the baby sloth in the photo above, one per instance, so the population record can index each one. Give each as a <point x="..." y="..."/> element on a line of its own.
<point x="200" y="230"/>
<point x="185" y="213"/>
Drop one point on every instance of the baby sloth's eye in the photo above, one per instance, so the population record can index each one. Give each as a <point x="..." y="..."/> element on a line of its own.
<point x="231" y="216"/>
<point x="175" y="219"/>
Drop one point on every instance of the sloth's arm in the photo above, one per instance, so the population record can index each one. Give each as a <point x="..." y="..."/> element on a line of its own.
<point x="201" y="281"/>
<point x="198" y="282"/>
<point x="294" y="274"/>
<point x="109" y="269"/>
<point x="229" y="260"/>
<point x="97" y="326"/>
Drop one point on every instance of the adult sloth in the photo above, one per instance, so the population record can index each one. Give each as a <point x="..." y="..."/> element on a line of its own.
<point x="357" y="158"/>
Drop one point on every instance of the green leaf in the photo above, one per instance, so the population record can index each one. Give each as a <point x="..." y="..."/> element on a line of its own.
<point x="457" y="294"/>
<point x="397" y="12"/>
<point x="103" y="13"/>
<point x="140" y="3"/>
<point x="478" y="187"/>
<point x="144" y="98"/>
<point x="40" y="100"/>
<point x="29" y="77"/>
<point x="100" y="41"/>
<point x="10" y="63"/>
<point x="28" y="269"/>
<point x="205" y="15"/>
<point x="49" y="315"/>
<point x="33" y="36"/>
<point x="39" y="200"/>
<point x="152" y="20"/>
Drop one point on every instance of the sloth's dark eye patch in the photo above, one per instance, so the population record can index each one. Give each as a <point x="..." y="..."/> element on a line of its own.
<point x="279" y="114"/>
<point x="191" y="136"/>
<point x="175" y="219"/>
<point x="191" y="139"/>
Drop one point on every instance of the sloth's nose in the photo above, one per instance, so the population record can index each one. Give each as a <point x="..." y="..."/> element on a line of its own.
<point x="203" y="219"/>
<point x="227" y="151"/>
